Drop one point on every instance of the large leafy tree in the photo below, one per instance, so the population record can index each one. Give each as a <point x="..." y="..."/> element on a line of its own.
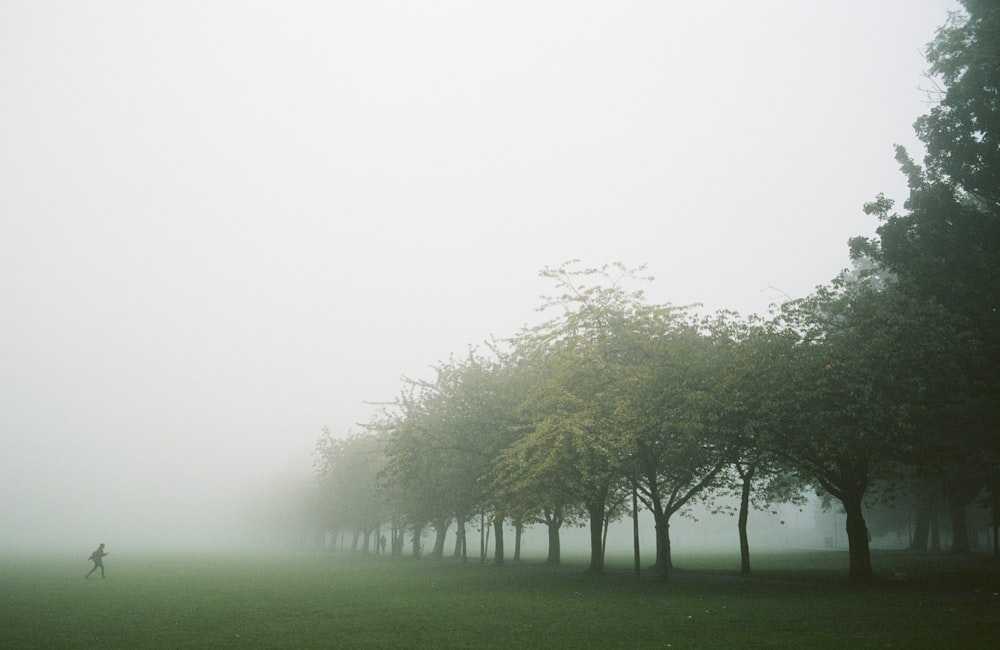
<point x="672" y="414"/>
<point x="532" y="477"/>
<point x="865" y="368"/>
<point x="945" y="245"/>
<point x="575" y="428"/>
<point x="571" y="453"/>
<point x="753" y="406"/>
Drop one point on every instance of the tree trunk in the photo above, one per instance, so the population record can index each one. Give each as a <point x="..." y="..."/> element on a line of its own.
<point x="398" y="539"/>
<point x="553" y="523"/>
<point x="498" y="533"/>
<point x="661" y="524"/>
<point x="482" y="537"/>
<point x="635" y="533"/>
<point x="742" y="526"/>
<point x="959" y="527"/>
<point x="417" y="531"/>
<point x="460" y="543"/>
<point x="518" y="531"/>
<point x="922" y="528"/>
<point x="440" y="534"/>
<point x="366" y="545"/>
<point x="935" y="528"/>
<point x="596" y="512"/>
<point x="857" y="540"/>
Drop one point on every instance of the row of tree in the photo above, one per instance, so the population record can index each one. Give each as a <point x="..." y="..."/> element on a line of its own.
<point x="887" y="376"/>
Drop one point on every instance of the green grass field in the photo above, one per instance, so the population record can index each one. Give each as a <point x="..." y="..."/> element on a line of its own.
<point x="794" y="600"/>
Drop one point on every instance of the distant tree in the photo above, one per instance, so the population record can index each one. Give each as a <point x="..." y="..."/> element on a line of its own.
<point x="443" y="436"/>
<point x="348" y="470"/>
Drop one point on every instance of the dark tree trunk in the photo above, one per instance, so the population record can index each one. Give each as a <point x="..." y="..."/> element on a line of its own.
<point x="742" y="526"/>
<point x="460" y="542"/>
<point x="482" y="537"/>
<point x="663" y="563"/>
<point x="417" y="531"/>
<point x="935" y="528"/>
<point x="354" y="541"/>
<point x="398" y="539"/>
<point x="635" y="533"/>
<point x="959" y="527"/>
<point x="596" y="512"/>
<point x="922" y="528"/>
<point x="661" y="525"/>
<point x="857" y="539"/>
<point x="518" y="531"/>
<point x="366" y="546"/>
<point x="440" y="534"/>
<point x="553" y="522"/>
<point x="498" y="533"/>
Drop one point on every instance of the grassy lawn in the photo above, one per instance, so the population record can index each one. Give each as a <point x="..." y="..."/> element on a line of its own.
<point x="794" y="600"/>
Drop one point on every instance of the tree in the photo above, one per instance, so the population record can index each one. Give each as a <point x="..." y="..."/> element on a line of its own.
<point x="864" y="368"/>
<point x="962" y="130"/>
<point x="946" y="245"/>
<point x="348" y="469"/>
<point x="442" y="440"/>
<point x="570" y="454"/>
<point x="671" y="413"/>
<point x="752" y="408"/>
<point x="574" y="433"/>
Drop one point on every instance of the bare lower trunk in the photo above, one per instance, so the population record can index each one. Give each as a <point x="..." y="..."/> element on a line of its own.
<point x="518" y="531"/>
<point x="959" y="528"/>
<point x="663" y="562"/>
<point x="935" y="530"/>
<point x="440" y="533"/>
<point x="482" y="537"/>
<point x="417" y="531"/>
<point x="857" y="539"/>
<point x="635" y="534"/>
<point x="921" y="528"/>
<point x="460" y="546"/>
<point x="555" y="550"/>
<point x="498" y="533"/>
<point x="742" y="525"/>
<point x="596" y="512"/>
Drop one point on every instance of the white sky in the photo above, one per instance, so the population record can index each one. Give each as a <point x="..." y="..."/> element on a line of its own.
<point x="224" y="225"/>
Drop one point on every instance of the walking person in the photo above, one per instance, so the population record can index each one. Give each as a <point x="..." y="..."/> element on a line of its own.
<point x="97" y="557"/>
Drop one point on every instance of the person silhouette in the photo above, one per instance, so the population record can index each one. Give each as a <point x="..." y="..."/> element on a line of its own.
<point x="97" y="557"/>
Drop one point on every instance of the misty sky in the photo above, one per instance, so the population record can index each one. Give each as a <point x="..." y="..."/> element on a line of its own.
<point x="225" y="225"/>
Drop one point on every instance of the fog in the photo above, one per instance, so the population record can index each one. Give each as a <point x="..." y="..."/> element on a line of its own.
<point x="226" y="225"/>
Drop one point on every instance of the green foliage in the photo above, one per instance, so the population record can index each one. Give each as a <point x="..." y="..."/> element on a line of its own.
<point x="865" y="369"/>
<point x="962" y="130"/>
<point x="349" y="478"/>
<point x="852" y="384"/>
<point x="945" y="246"/>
